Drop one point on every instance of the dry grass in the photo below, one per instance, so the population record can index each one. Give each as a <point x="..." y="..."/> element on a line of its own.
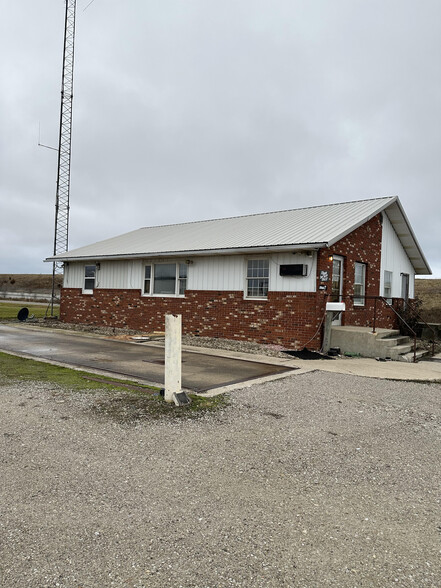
<point x="429" y="291"/>
<point x="37" y="283"/>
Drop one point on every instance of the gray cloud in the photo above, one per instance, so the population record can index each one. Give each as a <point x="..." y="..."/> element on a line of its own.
<point x="184" y="111"/>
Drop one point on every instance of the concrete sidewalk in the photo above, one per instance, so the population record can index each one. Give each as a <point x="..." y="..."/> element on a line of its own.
<point x="424" y="371"/>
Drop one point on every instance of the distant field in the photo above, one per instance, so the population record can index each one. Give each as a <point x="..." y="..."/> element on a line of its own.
<point x="430" y="293"/>
<point x="28" y="282"/>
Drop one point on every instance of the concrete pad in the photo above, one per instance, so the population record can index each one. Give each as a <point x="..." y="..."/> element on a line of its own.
<point x="143" y="362"/>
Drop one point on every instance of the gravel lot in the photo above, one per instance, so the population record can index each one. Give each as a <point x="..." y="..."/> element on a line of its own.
<point x="310" y="481"/>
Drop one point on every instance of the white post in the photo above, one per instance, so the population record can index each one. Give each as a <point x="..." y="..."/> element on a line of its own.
<point x="327" y="332"/>
<point x="173" y="329"/>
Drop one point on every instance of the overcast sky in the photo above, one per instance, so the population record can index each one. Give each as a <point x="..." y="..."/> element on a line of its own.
<point x="198" y="109"/>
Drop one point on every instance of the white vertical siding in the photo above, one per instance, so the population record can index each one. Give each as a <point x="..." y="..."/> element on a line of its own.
<point x="225" y="273"/>
<point x="229" y="272"/>
<point x="112" y="274"/>
<point x="216" y="273"/>
<point x="73" y="275"/>
<point x="394" y="259"/>
<point x="135" y="274"/>
<point x="280" y="283"/>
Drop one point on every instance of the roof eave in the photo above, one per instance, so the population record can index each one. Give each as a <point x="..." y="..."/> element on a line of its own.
<point x="190" y="253"/>
<point x="420" y="263"/>
<point x="364" y="220"/>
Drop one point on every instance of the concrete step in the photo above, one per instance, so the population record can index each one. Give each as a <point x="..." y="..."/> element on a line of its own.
<point x="387" y="333"/>
<point x="408" y="357"/>
<point x="397" y="351"/>
<point x="384" y="343"/>
<point x="395" y="341"/>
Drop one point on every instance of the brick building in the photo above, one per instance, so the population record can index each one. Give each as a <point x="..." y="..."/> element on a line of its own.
<point x="263" y="277"/>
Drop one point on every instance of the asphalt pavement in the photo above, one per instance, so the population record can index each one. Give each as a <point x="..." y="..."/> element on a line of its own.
<point x="140" y="361"/>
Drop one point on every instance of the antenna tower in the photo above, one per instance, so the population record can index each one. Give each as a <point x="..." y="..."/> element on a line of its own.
<point x="64" y="146"/>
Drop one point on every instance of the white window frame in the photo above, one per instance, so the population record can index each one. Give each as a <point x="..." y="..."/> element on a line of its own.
<point x="181" y="268"/>
<point x="147" y="291"/>
<point x="387" y="286"/>
<point x="89" y="278"/>
<point x="360" y="299"/>
<point x="255" y="270"/>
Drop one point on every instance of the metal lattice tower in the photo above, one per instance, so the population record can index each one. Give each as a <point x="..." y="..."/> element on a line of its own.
<point x="64" y="145"/>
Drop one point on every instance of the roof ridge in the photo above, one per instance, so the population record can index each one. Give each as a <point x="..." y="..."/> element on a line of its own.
<point x="209" y="220"/>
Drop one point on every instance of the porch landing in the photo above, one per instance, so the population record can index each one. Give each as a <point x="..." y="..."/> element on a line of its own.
<point x="384" y="343"/>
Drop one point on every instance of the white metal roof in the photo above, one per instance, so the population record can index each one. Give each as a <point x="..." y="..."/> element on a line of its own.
<point x="312" y="227"/>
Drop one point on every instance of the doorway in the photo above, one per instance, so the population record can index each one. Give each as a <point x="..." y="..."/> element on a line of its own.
<point x="337" y="285"/>
<point x="405" y="288"/>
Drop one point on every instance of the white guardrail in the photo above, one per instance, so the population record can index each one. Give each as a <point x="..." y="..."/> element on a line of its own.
<point x="30" y="296"/>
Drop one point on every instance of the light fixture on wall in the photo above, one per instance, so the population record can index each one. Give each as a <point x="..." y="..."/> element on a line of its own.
<point x="331" y="257"/>
<point x="98" y="265"/>
<point x="189" y="261"/>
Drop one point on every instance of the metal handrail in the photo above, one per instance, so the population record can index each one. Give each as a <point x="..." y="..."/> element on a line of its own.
<point x="400" y="317"/>
<point x="383" y="299"/>
<point x="407" y="325"/>
<point x="420" y="318"/>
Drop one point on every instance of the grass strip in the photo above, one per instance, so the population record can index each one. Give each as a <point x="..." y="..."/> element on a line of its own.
<point x="19" y="368"/>
<point x="9" y="310"/>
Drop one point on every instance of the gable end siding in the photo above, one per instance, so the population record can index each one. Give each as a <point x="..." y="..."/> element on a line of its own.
<point x="395" y="259"/>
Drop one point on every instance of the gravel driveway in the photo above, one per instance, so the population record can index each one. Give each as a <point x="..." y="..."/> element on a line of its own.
<point x="310" y="481"/>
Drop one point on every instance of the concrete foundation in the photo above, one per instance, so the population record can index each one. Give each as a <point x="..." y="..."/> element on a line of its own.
<point x="384" y="343"/>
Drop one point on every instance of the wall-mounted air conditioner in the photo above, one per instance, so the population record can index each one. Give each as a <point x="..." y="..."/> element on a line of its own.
<point x="294" y="269"/>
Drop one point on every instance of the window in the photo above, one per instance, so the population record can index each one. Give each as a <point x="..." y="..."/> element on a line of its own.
<point x="387" y="293"/>
<point x="359" y="284"/>
<point x="147" y="278"/>
<point x="182" y="278"/>
<point x="167" y="279"/>
<point x="89" y="278"/>
<point x="257" y="278"/>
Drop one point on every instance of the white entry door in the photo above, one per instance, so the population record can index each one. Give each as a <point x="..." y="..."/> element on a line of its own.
<point x="337" y="285"/>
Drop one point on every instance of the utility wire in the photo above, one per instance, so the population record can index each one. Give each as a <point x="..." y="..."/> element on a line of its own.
<point x="91" y="2"/>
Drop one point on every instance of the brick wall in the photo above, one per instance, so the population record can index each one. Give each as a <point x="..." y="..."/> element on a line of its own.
<point x="286" y="318"/>
<point x="289" y="319"/>
<point x="362" y="245"/>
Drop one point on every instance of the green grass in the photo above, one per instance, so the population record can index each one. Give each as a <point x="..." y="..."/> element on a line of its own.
<point x="19" y="368"/>
<point x="9" y="310"/>
<point x="142" y="403"/>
